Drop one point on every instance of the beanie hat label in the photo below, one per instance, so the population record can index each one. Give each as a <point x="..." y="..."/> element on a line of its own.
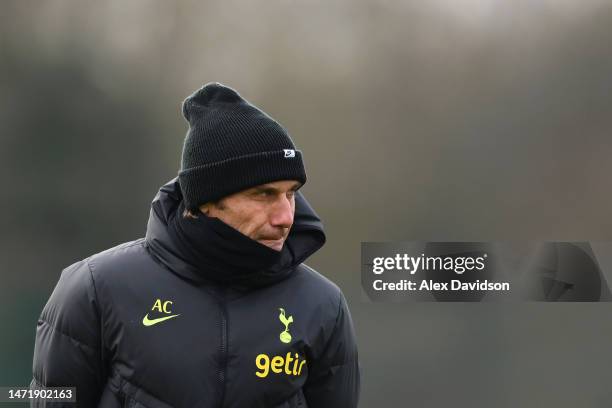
<point x="289" y="152"/>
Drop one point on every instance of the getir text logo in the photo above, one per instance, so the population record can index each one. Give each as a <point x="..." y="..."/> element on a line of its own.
<point x="287" y="364"/>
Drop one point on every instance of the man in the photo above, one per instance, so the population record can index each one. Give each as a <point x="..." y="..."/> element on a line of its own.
<point x="214" y="307"/>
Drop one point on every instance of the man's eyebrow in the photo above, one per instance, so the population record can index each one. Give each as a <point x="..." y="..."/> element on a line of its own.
<point x="266" y="189"/>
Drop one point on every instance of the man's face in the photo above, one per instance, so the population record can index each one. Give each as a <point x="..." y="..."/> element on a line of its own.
<point x="263" y="213"/>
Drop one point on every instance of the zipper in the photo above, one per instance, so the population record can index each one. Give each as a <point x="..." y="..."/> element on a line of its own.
<point x="126" y="400"/>
<point x="223" y="360"/>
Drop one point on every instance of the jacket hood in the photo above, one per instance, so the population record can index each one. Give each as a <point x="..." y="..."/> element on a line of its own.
<point x="305" y="238"/>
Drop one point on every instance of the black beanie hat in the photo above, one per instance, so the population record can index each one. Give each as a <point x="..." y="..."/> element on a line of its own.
<point x="231" y="146"/>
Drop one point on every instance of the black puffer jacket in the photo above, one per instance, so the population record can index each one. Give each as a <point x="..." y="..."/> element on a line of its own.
<point x="139" y="325"/>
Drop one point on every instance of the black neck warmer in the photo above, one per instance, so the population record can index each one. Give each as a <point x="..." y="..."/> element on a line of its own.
<point x="225" y="255"/>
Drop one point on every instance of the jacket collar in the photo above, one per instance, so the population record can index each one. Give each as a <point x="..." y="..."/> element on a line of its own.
<point x="305" y="238"/>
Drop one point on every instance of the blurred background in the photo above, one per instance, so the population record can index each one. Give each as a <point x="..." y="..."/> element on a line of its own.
<point x="430" y="120"/>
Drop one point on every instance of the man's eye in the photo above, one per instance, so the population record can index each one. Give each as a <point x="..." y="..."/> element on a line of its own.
<point x="290" y="194"/>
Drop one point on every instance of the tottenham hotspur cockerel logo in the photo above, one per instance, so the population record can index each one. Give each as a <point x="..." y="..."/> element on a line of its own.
<point x="285" y="337"/>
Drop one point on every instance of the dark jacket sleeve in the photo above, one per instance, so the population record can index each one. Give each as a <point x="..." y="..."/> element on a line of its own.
<point x="334" y="378"/>
<point x="67" y="350"/>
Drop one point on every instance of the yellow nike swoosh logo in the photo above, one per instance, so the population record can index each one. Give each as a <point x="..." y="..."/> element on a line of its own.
<point x="150" y="322"/>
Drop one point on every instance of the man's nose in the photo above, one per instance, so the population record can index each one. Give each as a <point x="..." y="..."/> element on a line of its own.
<point x="282" y="213"/>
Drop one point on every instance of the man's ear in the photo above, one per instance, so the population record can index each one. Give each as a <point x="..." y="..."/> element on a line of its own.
<point x="205" y="209"/>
